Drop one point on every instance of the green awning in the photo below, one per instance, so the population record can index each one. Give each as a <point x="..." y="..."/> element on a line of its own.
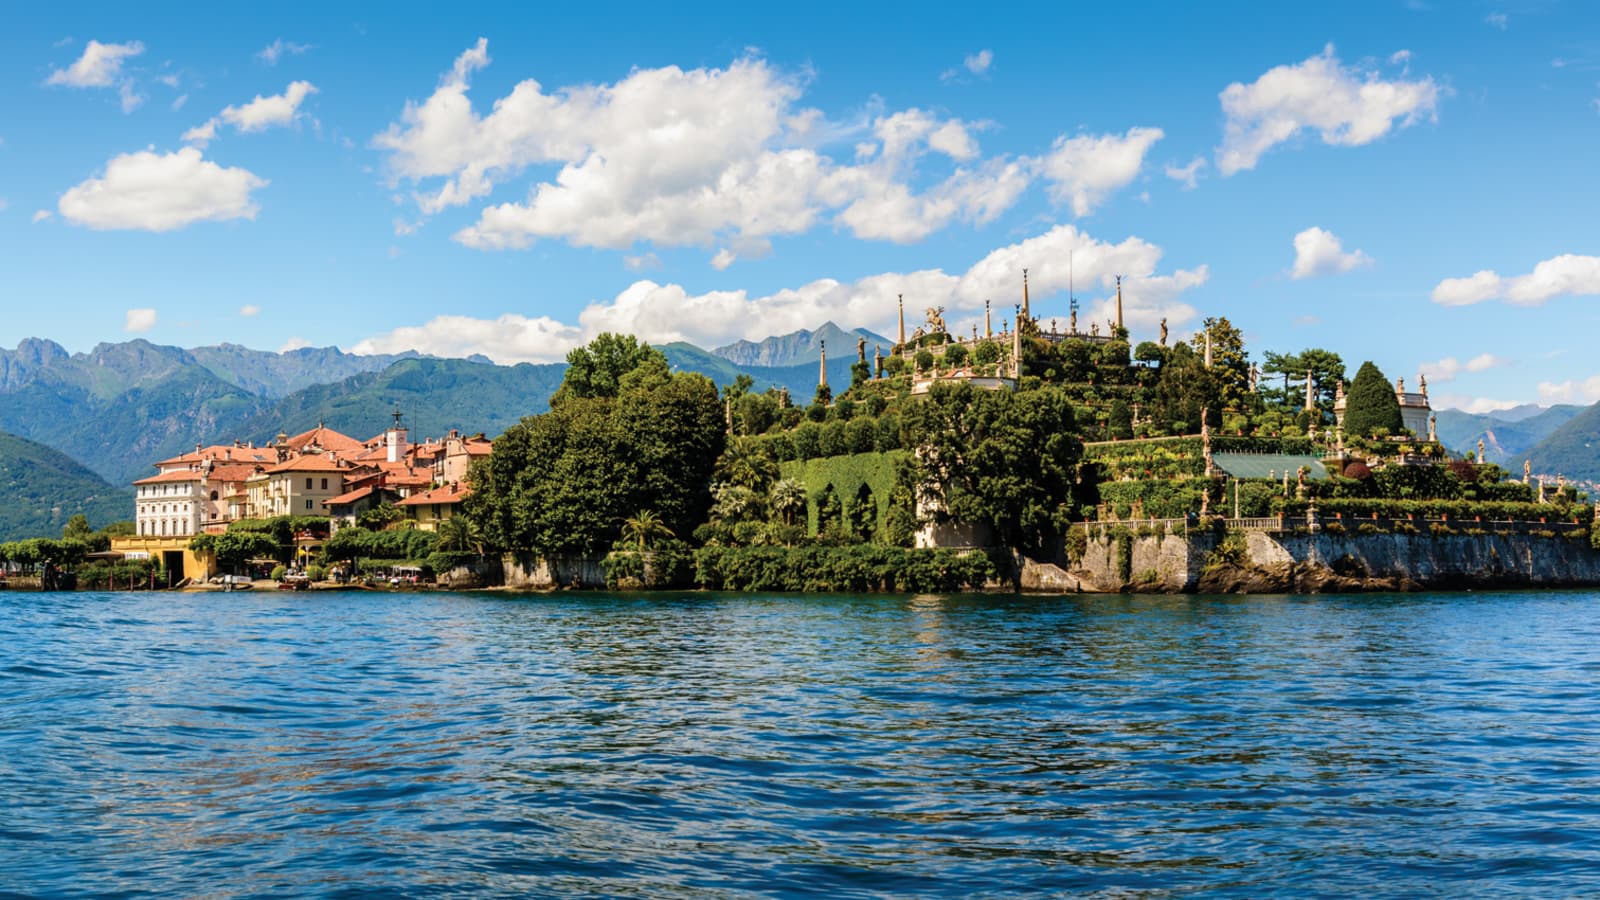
<point x="1268" y="465"/>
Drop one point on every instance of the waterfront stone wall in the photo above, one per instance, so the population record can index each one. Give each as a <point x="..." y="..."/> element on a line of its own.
<point x="527" y="571"/>
<point x="1317" y="563"/>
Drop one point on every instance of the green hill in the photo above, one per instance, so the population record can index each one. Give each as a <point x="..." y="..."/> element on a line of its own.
<point x="435" y="395"/>
<point x="1572" y="450"/>
<point x="1506" y="434"/>
<point x="44" y="488"/>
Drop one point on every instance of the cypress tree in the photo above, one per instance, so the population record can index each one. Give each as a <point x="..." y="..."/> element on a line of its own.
<point x="1370" y="404"/>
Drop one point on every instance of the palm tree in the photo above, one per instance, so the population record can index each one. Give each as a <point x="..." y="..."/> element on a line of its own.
<point x="788" y="499"/>
<point x="640" y="529"/>
<point x="460" y="533"/>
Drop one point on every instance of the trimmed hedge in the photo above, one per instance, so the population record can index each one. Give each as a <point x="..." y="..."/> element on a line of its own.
<point x="856" y="568"/>
<point x="846" y="474"/>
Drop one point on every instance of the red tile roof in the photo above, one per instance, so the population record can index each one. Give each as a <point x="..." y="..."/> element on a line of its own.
<point x="326" y="438"/>
<point x="350" y="497"/>
<point x="313" y="462"/>
<point x="449" y="493"/>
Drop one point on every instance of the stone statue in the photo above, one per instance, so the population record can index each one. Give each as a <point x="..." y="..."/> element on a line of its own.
<point x="1480" y="450"/>
<point x="861" y="349"/>
<point x="1073" y="325"/>
<point x="1163" y="331"/>
<point x="936" y="320"/>
<point x="1527" y="471"/>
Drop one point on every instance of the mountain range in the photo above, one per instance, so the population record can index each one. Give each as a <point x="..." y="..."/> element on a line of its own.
<point x="120" y="407"/>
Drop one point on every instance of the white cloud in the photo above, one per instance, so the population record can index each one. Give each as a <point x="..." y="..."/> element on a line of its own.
<point x="975" y="63"/>
<point x="1497" y="19"/>
<point x="99" y="66"/>
<point x="249" y="310"/>
<point x="1448" y="368"/>
<point x="723" y="259"/>
<point x="179" y="101"/>
<point x="642" y="262"/>
<point x="668" y="312"/>
<point x="1188" y="175"/>
<point x="509" y="339"/>
<point x="1470" y="404"/>
<point x="1348" y="106"/>
<point x="1568" y="275"/>
<point x="160" y="192"/>
<point x="39" y="215"/>
<point x="257" y="115"/>
<point x="711" y="157"/>
<point x="1087" y="169"/>
<point x="1586" y="392"/>
<point x="279" y="49"/>
<point x="1319" y="252"/>
<point x="139" y="321"/>
<point x="294" y="343"/>
<point x="130" y="98"/>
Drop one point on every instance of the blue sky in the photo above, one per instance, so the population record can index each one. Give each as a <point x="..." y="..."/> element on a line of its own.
<point x="1412" y="183"/>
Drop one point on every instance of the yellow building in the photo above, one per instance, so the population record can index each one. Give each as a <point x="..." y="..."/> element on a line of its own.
<point x="172" y="553"/>
<point x="429" y="508"/>
<point x="298" y="486"/>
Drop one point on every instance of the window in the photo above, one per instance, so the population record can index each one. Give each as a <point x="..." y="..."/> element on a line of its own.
<point x="213" y="495"/>
<point x="308" y="484"/>
<point x="308" y="504"/>
<point x="324" y="484"/>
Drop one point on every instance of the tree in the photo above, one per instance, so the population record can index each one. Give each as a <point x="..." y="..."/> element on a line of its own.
<point x="380" y="517"/>
<point x="562" y="482"/>
<point x="234" y="549"/>
<point x="597" y="370"/>
<point x="787" y="499"/>
<point x="77" y="528"/>
<point x="461" y="534"/>
<point x="639" y="530"/>
<point x="1370" y="405"/>
<point x="1007" y="460"/>
<point x="1283" y="383"/>
<point x="1230" y="364"/>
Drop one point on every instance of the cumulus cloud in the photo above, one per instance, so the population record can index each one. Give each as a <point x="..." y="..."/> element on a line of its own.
<point x="712" y="157"/>
<point x="39" y="215"/>
<point x="1568" y="275"/>
<point x="151" y="191"/>
<point x="249" y="309"/>
<point x="1348" y="107"/>
<point x="1085" y="170"/>
<point x="139" y="321"/>
<point x="1585" y="391"/>
<point x="1448" y="368"/>
<point x="1188" y="175"/>
<point x="1474" y="405"/>
<point x="1319" y="252"/>
<point x="257" y="115"/>
<point x="279" y="49"/>
<point x="99" y="66"/>
<point x="294" y="343"/>
<point x="669" y="312"/>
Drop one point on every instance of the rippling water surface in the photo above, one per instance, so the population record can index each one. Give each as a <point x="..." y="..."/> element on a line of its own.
<point x="716" y="745"/>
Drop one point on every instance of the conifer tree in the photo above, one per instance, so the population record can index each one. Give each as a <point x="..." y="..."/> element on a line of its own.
<point x="1370" y="404"/>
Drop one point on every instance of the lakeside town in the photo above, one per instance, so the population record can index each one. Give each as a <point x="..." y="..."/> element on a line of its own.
<point x="1023" y="454"/>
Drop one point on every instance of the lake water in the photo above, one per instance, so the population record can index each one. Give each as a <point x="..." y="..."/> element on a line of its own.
<point x="719" y="745"/>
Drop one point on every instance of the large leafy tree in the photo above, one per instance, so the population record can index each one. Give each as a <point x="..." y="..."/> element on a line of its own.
<point x="1006" y="460"/>
<point x="565" y="481"/>
<point x="1283" y="379"/>
<point x="1370" y="404"/>
<point x="1230" y="364"/>
<point x="597" y="369"/>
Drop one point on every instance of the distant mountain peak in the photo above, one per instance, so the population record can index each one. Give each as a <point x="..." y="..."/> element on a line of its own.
<point x="800" y="346"/>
